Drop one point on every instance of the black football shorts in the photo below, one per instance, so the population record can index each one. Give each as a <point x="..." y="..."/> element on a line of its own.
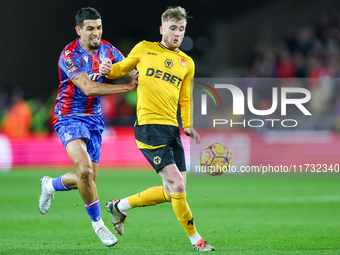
<point x="161" y="145"/>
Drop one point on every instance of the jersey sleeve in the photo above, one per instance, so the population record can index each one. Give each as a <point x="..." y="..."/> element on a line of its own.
<point x="71" y="63"/>
<point x="185" y="98"/>
<point x="118" y="56"/>
<point x="127" y="64"/>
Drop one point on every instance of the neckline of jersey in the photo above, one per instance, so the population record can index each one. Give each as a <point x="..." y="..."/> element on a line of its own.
<point x="161" y="45"/>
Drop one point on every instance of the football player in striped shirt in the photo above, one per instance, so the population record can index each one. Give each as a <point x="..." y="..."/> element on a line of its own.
<point x="77" y="117"/>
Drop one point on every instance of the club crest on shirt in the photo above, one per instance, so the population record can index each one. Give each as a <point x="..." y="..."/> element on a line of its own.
<point x="168" y="63"/>
<point x="102" y="56"/>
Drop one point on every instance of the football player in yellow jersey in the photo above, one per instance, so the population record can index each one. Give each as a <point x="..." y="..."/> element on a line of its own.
<point x="165" y="74"/>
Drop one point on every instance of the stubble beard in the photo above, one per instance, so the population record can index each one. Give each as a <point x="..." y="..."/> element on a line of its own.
<point x="94" y="46"/>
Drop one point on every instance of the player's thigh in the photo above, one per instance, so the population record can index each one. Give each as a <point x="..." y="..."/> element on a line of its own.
<point x="172" y="178"/>
<point x="184" y="176"/>
<point x="77" y="151"/>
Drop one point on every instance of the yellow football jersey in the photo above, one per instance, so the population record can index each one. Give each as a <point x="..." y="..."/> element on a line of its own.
<point x="164" y="81"/>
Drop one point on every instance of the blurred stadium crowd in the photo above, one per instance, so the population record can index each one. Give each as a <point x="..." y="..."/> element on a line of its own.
<point x="307" y="52"/>
<point x="311" y="51"/>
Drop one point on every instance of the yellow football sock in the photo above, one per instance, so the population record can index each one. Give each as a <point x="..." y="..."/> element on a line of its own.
<point x="151" y="196"/>
<point x="183" y="213"/>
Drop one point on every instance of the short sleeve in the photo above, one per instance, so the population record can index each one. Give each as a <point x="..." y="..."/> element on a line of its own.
<point x="71" y="63"/>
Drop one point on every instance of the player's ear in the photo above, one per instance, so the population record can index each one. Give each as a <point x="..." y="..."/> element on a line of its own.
<point x="161" y="30"/>
<point x="78" y="30"/>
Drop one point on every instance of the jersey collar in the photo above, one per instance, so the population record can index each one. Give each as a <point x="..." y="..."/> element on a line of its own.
<point x="162" y="46"/>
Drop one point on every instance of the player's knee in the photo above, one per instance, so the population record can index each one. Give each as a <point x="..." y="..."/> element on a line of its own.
<point x="178" y="187"/>
<point x="85" y="173"/>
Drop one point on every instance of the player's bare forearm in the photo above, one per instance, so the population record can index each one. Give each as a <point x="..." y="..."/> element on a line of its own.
<point x="91" y="88"/>
<point x="129" y="76"/>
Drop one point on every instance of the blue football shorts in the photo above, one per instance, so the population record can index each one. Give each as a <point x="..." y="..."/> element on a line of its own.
<point x="89" y="128"/>
<point x="161" y="145"/>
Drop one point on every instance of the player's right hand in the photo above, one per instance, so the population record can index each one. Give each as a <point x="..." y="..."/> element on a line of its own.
<point x="190" y="131"/>
<point x="105" y="66"/>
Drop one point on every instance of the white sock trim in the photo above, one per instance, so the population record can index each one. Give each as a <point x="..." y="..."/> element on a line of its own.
<point x="124" y="205"/>
<point x="195" y="238"/>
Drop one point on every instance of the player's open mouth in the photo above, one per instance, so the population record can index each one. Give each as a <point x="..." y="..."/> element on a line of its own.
<point x="95" y="40"/>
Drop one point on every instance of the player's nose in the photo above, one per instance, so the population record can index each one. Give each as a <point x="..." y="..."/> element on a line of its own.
<point x="96" y="32"/>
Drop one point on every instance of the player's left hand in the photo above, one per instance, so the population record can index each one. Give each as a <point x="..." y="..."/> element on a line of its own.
<point x="133" y="84"/>
<point x="105" y="66"/>
<point x="190" y="131"/>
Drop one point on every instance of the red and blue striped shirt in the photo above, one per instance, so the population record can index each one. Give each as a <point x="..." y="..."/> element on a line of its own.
<point x="73" y="60"/>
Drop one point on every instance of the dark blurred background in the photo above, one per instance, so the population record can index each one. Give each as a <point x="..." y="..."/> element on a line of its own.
<point x="226" y="38"/>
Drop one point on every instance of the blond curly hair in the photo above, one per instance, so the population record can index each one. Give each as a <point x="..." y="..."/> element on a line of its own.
<point x="177" y="12"/>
